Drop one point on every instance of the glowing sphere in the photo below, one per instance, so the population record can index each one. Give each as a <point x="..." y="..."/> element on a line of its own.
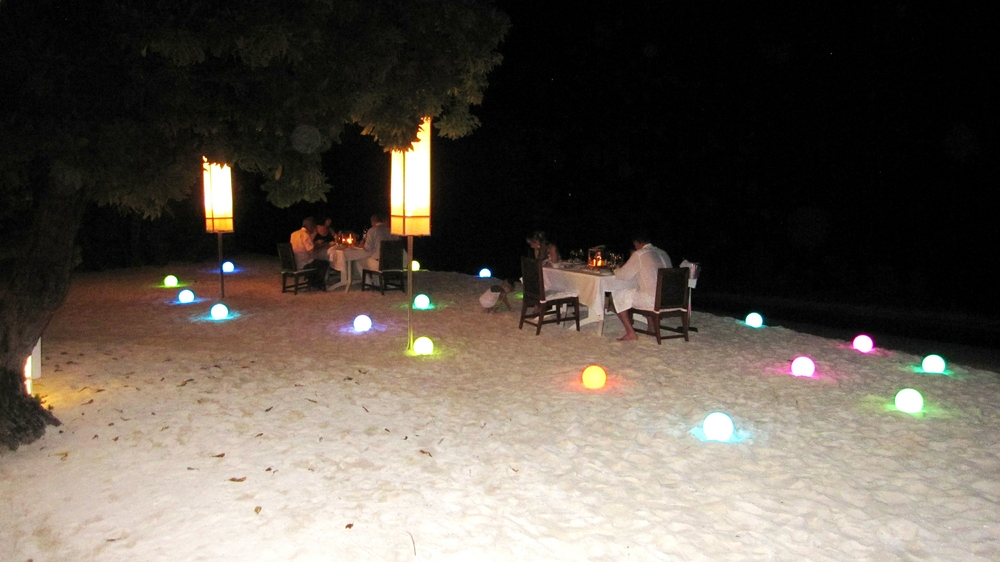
<point x="863" y="343"/>
<point x="415" y="265"/>
<point x="228" y="267"/>
<point x="421" y="302"/>
<point x="362" y="323"/>
<point x="718" y="427"/>
<point x="933" y="364"/>
<point x="594" y="377"/>
<point x="803" y="367"/>
<point x="423" y="346"/>
<point x="754" y="320"/>
<point x="220" y="311"/>
<point x="485" y="272"/>
<point x="909" y="401"/>
<point x="170" y="281"/>
<point x="186" y="296"/>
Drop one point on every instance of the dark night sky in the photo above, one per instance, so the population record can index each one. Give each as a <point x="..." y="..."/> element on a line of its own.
<point x="833" y="154"/>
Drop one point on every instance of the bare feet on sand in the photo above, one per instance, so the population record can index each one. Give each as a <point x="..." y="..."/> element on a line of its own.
<point x="628" y="337"/>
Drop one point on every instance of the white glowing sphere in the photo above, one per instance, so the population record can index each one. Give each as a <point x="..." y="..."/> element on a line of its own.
<point x="718" y="427"/>
<point x="186" y="296"/>
<point x="863" y="343"/>
<point x="909" y="401"/>
<point x="170" y="281"/>
<point x="220" y="311"/>
<point x="228" y="267"/>
<point x="754" y="320"/>
<point x="415" y="265"/>
<point x="803" y="367"/>
<point x="933" y="364"/>
<point x="485" y="272"/>
<point x="423" y="346"/>
<point x="362" y="323"/>
<point x="421" y="302"/>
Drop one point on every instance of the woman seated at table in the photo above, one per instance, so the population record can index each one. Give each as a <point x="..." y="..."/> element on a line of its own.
<point x="324" y="231"/>
<point x="543" y="249"/>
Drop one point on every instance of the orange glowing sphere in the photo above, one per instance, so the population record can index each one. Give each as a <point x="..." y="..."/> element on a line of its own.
<point x="594" y="377"/>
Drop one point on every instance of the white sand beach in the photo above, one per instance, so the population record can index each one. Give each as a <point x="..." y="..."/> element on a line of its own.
<point x="281" y="434"/>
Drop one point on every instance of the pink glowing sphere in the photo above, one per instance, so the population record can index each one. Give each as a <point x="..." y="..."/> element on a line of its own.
<point x="803" y="367"/>
<point x="863" y="343"/>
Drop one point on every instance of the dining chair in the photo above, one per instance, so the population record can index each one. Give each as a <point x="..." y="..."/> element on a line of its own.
<point x="673" y="298"/>
<point x="542" y="303"/>
<point x="299" y="277"/>
<point x="391" y="273"/>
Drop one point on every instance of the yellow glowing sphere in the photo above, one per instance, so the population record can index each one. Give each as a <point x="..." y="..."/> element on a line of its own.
<point x="423" y="346"/>
<point x="415" y="265"/>
<point x="170" y="281"/>
<point x="594" y="377"/>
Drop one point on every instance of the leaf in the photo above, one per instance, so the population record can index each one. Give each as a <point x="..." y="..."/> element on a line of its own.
<point x="426" y="453"/>
<point x="258" y="435"/>
<point x="309" y="399"/>
<point x="62" y="455"/>
<point x="256" y="509"/>
<point x="269" y="409"/>
<point x="91" y="401"/>
<point x="193" y="468"/>
<point x="185" y="382"/>
<point x="219" y="456"/>
<point x="234" y="479"/>
<point x="349" y="526"/>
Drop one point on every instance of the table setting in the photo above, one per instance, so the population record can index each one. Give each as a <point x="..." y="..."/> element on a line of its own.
<point x="591" y="275"/>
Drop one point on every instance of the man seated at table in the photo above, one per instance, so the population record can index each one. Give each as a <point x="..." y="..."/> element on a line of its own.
<point x="641" y="266"/>
<point x="373" y="238"/>
<point x="306" y="253"/>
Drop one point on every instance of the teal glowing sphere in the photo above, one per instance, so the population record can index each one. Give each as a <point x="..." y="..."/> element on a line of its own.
<point x="228" y="267"/>
<point x="362" y="323"/>
<point x="415" y="265"/>
<point x="863" y="343"/>
<point x="485" y="272"/>
<point x="718" y="427"/>
<point x="421" y="302"/>
<point x="170" y="281"/>
<point x="220" y="311"/>
<point x="754" y="320"/>
<point x="423" y="346"/>
<point x="933" y="364"/>
<point x="909" y="401"/>
<point x="803" y="367"/>
<point x="186" y="296"/>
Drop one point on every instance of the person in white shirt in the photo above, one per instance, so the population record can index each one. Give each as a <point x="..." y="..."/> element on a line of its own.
<point x="641" y="266"/>
<point x="305" y="253"/>
<point x="373" y="238"/>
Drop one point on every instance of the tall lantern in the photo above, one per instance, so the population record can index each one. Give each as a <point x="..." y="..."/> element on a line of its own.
<point x="410" y="201"/>
<point x="218" y="182"/>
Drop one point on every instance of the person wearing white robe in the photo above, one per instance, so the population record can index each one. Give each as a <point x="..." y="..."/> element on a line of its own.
<point x="641" y="266"/>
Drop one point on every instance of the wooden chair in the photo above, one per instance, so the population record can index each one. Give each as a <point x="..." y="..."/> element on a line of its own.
<point x="391" y="273"/>
<point x="543" y="304"/>
<point x="692" y="284"/>
<point x="673" y="298"/>
<point x="299" y="277"/>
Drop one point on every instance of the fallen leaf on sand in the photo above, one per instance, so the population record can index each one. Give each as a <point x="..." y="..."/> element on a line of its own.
<point x="219" y="456"/>
<point x="256" y="509"/>
<point x="234" y="479"/>
<point x="349" y="525"/>
<point x="423" y="452"/>
<point x="91" y="401"/>
<point x="185" y="382"/>
<point x="62" y="455"/>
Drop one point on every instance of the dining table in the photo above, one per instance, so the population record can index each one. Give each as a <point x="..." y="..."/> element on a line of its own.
<point x="343" y="258"/>
<point x="591" y="284"/>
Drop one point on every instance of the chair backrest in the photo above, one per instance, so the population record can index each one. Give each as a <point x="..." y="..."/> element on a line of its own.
<point x="286" y="256"/>
<point x="532" y="278"/>
<point x="672" y="287"/>
<point x="391" y="255"/>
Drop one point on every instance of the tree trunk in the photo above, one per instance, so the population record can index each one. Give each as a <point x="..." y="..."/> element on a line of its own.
<point x="35" y="268"/>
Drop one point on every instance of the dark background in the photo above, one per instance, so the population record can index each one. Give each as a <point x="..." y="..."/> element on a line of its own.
<point x="833" y="164"/>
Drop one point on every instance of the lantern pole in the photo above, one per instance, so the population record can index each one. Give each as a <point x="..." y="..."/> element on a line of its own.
<point x="409" y="291"/>
<point x="222" y="274"/>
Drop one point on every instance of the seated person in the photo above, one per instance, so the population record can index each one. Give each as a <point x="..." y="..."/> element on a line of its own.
<point x="642" y="266"/>
<point x="305" y="253"/>
<point x="541" y="247"/>
<point x="373" y="238"/>
<point x="324" y="232"/>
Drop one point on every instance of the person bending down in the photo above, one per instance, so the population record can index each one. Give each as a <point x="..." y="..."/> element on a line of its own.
<point x="497" y="295"/>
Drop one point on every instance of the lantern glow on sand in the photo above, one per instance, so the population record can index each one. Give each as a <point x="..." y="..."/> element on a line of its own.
<point x="863" y="343"/>
<point x="421" y="302"/>
<point x="594" y="377"/>
<point x="803" y="367"/>
<point x="933" y="364"/>
<point x="423" y="346"/>
<point x="718" y="426"/>
<point x="170" y="281"/>
<point x="754" y="320"/>
<point x="186" y="296"/>
<point x="485" y="273"/>
<point x="909" y="400"/>
<point x="362" y="323"/>
<point x="219" y="311"/>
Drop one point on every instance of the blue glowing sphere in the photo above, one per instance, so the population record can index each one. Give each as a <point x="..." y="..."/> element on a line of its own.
<point x="220" y="311"/>
<point x="228" y="267"/>
<point x="754" y="320"/>
<point x="933" y="364"/>
<point x="186" y="296"/>
<point x="485" y="272"/>
<point x="421" y="302"/>
<point x="718" y="427"/>
<point x="362" y="323"/>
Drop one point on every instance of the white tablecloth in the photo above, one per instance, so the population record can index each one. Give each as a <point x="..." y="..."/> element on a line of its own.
<point x="343" y="259"/>
<point x="590" y="285"/>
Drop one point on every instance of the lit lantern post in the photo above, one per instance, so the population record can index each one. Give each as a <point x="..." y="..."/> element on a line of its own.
<point x="218" y="181"/>
<point x="410" y="202"/>
<point x="33" y="366"/>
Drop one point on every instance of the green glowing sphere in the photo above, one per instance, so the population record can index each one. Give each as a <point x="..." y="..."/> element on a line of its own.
<point x="421" y="302"/>
<point x="754" y="320"/>
<point x="909" y="401"/>
<point x="933" y="364"/>
<point x="718" y="427"/>
<point x="220" y="311"/>
<point x="170" y="281"/>
<point x="423" y="346"/>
